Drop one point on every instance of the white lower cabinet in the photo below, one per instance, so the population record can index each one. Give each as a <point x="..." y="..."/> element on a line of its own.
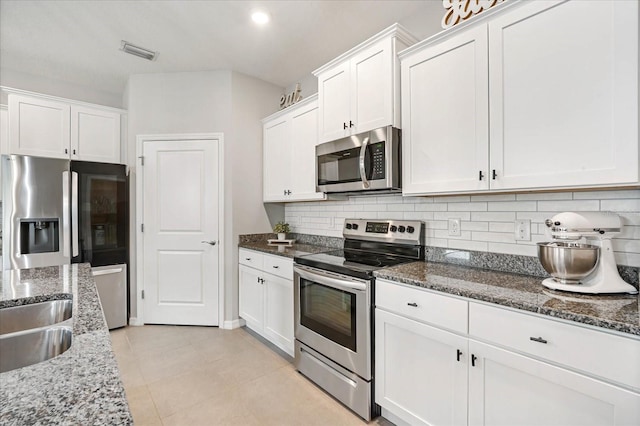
<point x="510" y="368"/>
<point x="506" y="388"/>
<point x="266" y="296"/>
<point x="417" y="373"/>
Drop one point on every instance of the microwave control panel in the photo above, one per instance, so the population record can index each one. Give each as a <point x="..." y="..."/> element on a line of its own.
<point x="378" y="157"/>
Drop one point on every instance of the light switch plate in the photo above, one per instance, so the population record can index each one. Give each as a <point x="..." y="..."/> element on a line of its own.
<point x="523" y="230"/>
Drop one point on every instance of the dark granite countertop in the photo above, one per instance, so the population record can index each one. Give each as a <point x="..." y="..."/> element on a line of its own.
<point x="614" y="312"/>
<point x="285" y="251"/>
<point x="79" y="387"/>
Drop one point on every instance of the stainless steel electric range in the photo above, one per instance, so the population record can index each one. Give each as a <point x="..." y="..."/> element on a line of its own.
<point x="334" y="300"/>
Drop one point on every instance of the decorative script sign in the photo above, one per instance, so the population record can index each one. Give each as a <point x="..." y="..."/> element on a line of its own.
<point x="460" y="10"/>
<point x="291" y="98"/>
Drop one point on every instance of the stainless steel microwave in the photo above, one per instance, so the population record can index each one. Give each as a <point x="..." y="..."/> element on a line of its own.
<point x="368" y="161"/>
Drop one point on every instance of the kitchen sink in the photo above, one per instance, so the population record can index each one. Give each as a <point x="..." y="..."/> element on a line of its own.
<point x="28" y="347"/>
<point x="35" y="315"/>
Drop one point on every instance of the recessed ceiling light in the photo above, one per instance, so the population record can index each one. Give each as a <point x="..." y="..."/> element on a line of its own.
<point x="260" y="17"/>
<point x="141" y="52"/>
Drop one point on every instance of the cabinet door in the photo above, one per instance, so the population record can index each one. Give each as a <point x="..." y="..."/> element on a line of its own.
<point x="251" y="297"/>
<point x="333" y="103"/>
<point x="277" y="160"/>
<point x="418" y="375"/>
<point x="38" y="127"/>
<point x="304" y="138"/>
<point x="564" y="94"/>
<point x="95" y="135"/>
<point x="510" y="389"/>
<point x="372" y="87"/>
<point x="278" y="305"/>
<point x="445" y="116"/>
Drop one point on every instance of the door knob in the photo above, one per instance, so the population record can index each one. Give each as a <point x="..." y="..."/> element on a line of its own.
<point x="211" y="243"/>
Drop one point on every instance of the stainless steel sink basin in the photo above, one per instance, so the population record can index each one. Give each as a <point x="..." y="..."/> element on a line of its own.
<point x="29" y="347"/>
<point x="24" y="317"/>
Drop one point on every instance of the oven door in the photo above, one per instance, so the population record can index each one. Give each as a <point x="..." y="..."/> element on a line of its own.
<point x="333" y="316"/>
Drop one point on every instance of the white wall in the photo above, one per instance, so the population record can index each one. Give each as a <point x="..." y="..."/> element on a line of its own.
<point x="63" y="89"/>
<point x="487" y="221"/>
<point x="207" y="102"/>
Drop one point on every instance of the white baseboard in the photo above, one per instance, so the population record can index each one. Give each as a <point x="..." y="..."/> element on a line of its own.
<point x="133" y="321"/>
<point x="236" y="323"/>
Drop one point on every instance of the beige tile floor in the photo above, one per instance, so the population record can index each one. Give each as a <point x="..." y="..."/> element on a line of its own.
<point x="178" y="375"/>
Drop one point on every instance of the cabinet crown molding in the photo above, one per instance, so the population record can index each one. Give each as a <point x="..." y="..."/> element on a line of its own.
<point x="12" y="90"/>
<point x="293" y="107"/>
<point x="396" y="30"/>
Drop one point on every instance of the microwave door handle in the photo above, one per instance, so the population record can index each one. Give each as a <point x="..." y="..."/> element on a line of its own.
<point x="329" y="281"/>
<point x="363" y="173"/>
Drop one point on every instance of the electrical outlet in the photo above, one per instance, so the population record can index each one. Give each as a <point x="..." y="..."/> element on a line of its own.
<point x="523" y="230"/>
<point x="454" y="227"/>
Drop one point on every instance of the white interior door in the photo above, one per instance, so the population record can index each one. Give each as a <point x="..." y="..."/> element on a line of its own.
<point x="180" y="216"/>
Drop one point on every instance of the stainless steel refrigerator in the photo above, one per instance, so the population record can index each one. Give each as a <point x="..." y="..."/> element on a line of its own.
<point x="57" y="212"/>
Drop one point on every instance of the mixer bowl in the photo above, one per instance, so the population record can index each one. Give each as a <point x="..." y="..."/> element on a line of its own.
<point x="568" y="262"/>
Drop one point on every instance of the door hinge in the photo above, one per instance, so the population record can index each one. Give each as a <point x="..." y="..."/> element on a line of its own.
<point x="141" y="160"/>
<point x="142" y="227"/>
<point x="143" y="294"/>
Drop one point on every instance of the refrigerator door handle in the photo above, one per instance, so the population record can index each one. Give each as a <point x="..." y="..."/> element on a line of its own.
<point x="74" y="214"/>
<point x="65" y="214"/>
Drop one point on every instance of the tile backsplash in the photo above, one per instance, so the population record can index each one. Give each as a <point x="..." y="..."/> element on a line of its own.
<point x="487" y="222"/>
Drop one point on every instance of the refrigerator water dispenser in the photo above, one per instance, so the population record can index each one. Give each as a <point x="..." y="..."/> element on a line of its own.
<point x="39" y="236"/>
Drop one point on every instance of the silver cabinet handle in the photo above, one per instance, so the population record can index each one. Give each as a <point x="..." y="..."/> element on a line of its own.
<point x="211" y="243"/>
<point x="414" y="304"/>
<point x="538" y="339"/>
<point x="75" y="242"/>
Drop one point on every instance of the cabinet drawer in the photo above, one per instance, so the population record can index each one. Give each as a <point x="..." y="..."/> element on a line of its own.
<point x="280" y="266"/>
<point x="598" y="353"/>
<point x="422" y="305"/>
<point x="250" y="258"/>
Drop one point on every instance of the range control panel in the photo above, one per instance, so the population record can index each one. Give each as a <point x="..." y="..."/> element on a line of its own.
<point x="384" y="230"/>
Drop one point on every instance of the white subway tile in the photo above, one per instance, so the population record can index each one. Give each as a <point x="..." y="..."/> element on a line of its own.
<point x="603" y="195"/>
<point x="629" y="259"/>
<point x="431" y="207"/>
<point x="538" y="217"/>
<point x="627" y="246"/>
<point x="417" y="200"/>
<point x="631" y="205"/>
<point x="474" y="226"/>
<point x="452" y="199"/>
<point x="468" y="207"/>
<point x="388" y="199"/>
<point x="493" y="216"/>
<point x="502" y="227"/>
<point x="468" y="245"/>
<point x="630" y="232"/>
<point x="365" y="215"/>
<point x="437" y="224"/>
<point x="374" y="207"/>
<point x="448" y="215"/>
<point x="418" y="216"/>
<point x="400" y="207"/>
<point x="512" y="249"/>
<point x="512" y="206"/>
<point x="499" y="237"/>
<point x="630" y="218"/>
<point x="436" y="242"/>
<point x="493" y="197"/>
<point x="391" y="215"/>
<point x="444" y="233"/>
<point x="545" y="196"/>
<point x="568" y="206"/>
<point x="353" y="207"/>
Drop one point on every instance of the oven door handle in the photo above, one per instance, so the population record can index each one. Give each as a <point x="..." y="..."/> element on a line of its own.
<point x="363" y="172"/>
<point x="330" y="281"/>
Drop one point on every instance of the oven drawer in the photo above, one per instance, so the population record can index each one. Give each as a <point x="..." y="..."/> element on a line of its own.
<point x="250" y="258"/>
<point x="422" y="305"/>
<point x="278" y="265"/>
<point x="603" y="354"/>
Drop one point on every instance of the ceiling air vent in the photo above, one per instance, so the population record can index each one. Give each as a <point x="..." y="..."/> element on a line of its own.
<point x="141" y="52"/>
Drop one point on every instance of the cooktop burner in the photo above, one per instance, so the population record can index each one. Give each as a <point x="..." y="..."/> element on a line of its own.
<point x="351" y="262"/>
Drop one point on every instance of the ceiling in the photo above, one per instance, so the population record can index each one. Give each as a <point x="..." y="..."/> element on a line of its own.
<point x="78" y="41"/>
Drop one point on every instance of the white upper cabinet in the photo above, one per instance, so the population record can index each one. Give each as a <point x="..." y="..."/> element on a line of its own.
<point x="536" y="95"/>
<point x="46" y="127"/>
<point x="95" y="135"/>
<point x="358" y="91"/>
<point x="289" y="144"/>
<point x="445" y="115"/>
